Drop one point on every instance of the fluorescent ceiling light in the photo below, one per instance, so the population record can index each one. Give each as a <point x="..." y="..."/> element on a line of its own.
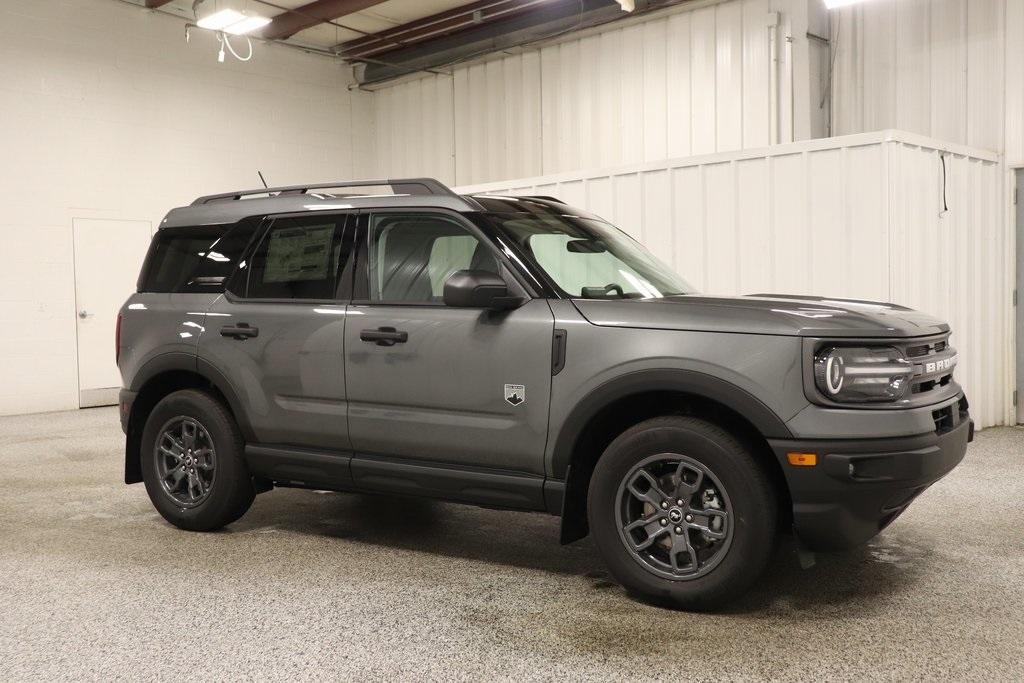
<point x="218" y="21"/>
<point x="232" y="21"/>
<point x="247" y="25"/>
<point x="834" y="4"/>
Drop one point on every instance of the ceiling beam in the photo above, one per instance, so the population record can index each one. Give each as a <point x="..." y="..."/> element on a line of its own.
<point x="444" y="23"/>
<point x="290" y="22"/>
<point x="154" y="4"/>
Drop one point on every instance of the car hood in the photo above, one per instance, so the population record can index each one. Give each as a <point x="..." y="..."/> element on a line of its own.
<point x="777" y="314"/>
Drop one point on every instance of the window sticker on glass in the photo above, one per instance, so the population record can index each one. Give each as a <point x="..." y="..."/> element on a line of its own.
<point x="299" y="254"/>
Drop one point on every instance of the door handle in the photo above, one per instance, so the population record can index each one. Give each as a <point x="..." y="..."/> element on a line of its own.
<point x="240" y="331"/>
<point x="83" y="314"/>
<point x="384" y="336"/>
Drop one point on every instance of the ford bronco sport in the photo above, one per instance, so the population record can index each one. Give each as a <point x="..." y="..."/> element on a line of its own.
<point x="513" y="352"/>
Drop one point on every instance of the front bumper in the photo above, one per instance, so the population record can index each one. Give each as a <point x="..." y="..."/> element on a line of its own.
<point x="859" y="486"/>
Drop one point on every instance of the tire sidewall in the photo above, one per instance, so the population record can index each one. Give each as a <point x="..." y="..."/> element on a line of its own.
<point x="752" y="510"/>
<point x="231" y="479"/>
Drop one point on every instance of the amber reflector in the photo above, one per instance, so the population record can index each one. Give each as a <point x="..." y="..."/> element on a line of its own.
<point x="802" y="459"/>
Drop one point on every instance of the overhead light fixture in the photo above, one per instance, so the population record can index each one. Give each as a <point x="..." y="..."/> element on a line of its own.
<point x="836" y="4"/>
<point x="247" y="25"/>
<point x="218" y="21"/>
<point x="232" y="21"/>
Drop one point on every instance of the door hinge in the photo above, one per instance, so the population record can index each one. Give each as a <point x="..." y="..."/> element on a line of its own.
<point x="1015" y="196"/>
<point x="558" y="352"/>
<point x="1014" y="398"/>
<point x="1015" y="297"/>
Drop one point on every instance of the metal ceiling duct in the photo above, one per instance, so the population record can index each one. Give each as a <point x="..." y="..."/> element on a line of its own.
<point x="539" y="23"/>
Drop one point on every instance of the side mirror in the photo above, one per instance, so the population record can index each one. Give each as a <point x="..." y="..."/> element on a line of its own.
<point x="478" y="289"/>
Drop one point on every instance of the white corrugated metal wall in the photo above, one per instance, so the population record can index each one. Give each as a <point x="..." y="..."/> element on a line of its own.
<point x="693" y="81"/>
<point x="698" y="82"/>
<point x="951" y="69"/>
<point x="858" y="216"/>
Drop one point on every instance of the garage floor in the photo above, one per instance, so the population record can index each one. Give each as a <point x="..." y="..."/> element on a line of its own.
<point x="94" y="584"/>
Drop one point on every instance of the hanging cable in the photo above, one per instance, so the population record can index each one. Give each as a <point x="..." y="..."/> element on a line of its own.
<point x="945" y="204"/>
<point x="224" y="42"/>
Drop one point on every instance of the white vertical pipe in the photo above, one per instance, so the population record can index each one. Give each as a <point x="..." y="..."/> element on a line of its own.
<point x="773" y="86"/>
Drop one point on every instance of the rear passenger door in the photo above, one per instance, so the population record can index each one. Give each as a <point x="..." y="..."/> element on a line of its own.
<point x="277" y="334"/>
<point x="463" y="386"/>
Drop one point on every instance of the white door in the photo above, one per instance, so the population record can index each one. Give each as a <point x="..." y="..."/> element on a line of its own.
<point x="108" y="256"/>
<point x="1019" y="292"/>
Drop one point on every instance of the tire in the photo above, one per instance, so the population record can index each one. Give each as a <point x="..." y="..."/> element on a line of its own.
<point x="715" y="564"/>
<point x="214" y="496"/>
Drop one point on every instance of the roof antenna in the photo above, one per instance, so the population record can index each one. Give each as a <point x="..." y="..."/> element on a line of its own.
<point x="262" y="179"/>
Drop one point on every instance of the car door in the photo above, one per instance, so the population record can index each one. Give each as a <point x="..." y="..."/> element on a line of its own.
<point x="438" y="384"/>
<point x="277" y="335"/>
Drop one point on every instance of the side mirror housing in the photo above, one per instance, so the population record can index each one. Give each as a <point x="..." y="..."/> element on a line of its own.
<point x="478" y="289"/>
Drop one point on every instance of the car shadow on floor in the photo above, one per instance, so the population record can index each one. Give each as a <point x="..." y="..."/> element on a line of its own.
<point x="858" y="581"/>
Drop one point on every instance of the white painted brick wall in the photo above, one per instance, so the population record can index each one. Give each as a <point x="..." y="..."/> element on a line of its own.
<point x="106" y="112"/>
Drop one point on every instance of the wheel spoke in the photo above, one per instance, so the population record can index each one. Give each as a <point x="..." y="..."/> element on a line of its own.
<point x="195" y="487"/>
<point x="188" y="433"/>
<point x="703" y="521"/>
<point x="686" y="488"/>
<point x="653" y="494"/>
<point x="175" y="476"/>
<point x="652" y="527"/>
<point x="204" y="459"/>
<point x="171" y="454"/>
<point x="170" y="444"/>
<point x="681" y="544"/>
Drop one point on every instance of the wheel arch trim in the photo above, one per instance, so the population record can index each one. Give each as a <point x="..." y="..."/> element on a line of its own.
<point x="152" y="370"/>
<point x="681" y="381"/>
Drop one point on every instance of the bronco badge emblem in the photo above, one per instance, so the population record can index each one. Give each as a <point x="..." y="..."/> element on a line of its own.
<point x="515" y="394"/>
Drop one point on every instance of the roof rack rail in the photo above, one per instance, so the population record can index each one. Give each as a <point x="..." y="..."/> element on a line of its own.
<point x="411" y="186"/>
<point x="542" y="196"/>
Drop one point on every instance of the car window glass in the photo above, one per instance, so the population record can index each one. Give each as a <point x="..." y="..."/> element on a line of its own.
<point x="220" y="258"/>
<point x="411" y="256"/>
<point x="591" y="259"/>
<point x="176" y="254"/>
<point x="297" y="259"/>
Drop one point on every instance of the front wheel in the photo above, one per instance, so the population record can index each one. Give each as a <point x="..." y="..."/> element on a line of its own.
<point x="682" y="512"/>
<point x="193" y="464"/>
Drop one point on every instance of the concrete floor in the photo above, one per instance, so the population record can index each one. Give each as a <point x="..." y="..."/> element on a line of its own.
<point x="94" y="584"/>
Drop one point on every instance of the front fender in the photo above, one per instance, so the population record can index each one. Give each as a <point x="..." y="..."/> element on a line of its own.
<point x="682" y="381"/>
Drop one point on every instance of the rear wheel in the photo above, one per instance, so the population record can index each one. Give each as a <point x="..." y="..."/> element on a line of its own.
<point x="682" y="512"/>
<point x="193" y="464"/>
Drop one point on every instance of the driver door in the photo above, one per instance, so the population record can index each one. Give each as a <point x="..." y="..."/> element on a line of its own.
<point x="437" y="384"/>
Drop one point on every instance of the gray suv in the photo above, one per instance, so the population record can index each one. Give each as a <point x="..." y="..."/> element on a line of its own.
<point x="394" y="337"/>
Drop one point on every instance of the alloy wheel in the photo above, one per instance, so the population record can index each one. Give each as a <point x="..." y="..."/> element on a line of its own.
<point x="674" y="516"/>
<point x="186" y="461"/>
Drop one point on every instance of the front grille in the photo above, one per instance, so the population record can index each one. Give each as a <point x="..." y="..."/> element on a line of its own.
<point x="934" y="362"/>
<point x="918" y="350"/>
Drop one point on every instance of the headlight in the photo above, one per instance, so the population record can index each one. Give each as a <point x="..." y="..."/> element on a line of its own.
<point x="862" y="374"/>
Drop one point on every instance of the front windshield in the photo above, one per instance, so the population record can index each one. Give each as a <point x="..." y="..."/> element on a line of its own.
<point x="590" y="259"/>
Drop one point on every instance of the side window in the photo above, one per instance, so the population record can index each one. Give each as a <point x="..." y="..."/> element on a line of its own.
<point x="298" y="258"/>
<point x="411" y="256"/>
<point x="175" y="255"/>
<point x="219" y="259"/>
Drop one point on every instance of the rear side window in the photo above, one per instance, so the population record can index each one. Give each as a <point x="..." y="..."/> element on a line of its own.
<point x="194" y="259"/>
<point x="298" y="258"/>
